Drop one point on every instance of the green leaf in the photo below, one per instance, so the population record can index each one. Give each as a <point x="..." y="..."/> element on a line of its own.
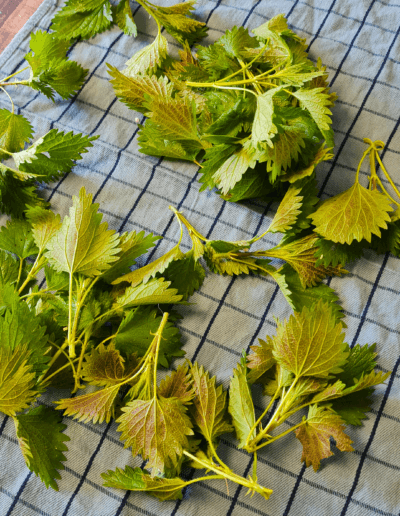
<point x="224" y="258"/>
<point x="136" y="332"/>
<point x="143" y="274"/>
<point x="355" y="214"/>
<point x="147" y="60"/>
<point x="322" y="154"/>
<point x="20" y="327"/>
<point x="16" y="237"/>
<point x="17" y="380"/>
<point x="234" y="167"/>
<point x="299" y="297"/>
<point x="9" y="272"/>
<point x="214" y="158"/>
<point x="82" y="18"/>
<point x="316" y="101"/>
<point x="241" y="405"/>
<point x="50" y="68"/>
<point x="263" y="127"/>
<point x="209" y="409"/>
<point x="83" y="244"/>
<point x="353" y="407"/>
<point x="135" y="479"/>
<point x="310" y="343"/>
<point x="333" y="253"/>
<point x="132" y="91"/>
<point x="186" y="275"/>
<point x="132" y="246"/>
<point x="154" y="292"/>
<point x="15" y="131"/>
<point x="45" y="225"/>
<point x="361" y="360"/>
<point x="157" y="429"/>
<point x="176" y="21"/>
<point x="315" y="435"/>
<point x="52" y="155"/>
<point x="254" y="184"/>
<point x="15" y="196"/>
<point x="123" y="17"/>
<point x="236" y="40"/>
<point x="41" y="438"/>
<point x="261" y="360"/>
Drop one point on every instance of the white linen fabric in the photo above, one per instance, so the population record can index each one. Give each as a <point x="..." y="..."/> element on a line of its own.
<point x="360" y="44"/>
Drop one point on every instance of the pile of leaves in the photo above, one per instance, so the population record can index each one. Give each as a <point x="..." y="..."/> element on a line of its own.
<point x="53" y="154"/>
<point x="97" y="323"/>
<point x="255" y="110"/>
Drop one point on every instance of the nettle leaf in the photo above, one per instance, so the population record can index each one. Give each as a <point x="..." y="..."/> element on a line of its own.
<point x="300" y="254"/>
<point x="331" y="391"/>
<point x="333" y="253"/>
<point x="236" y="40"/>
<point x="123" y="17"/>
<point x="214" y="158"/>
<point x="288" y="211"/>
<point x="135" y="479"/>
<point x="17" y="380"/>
<point x="261" y="360"/>
<point x="15" y="131"/>
<point x="132" y="90"/>
<point x="223" y="258"/>
<point x="104" y="367"/>
<point x="241" y="405"/>
<point x="323" y="154"/>
<point x="176" y="21"/>
<point x="321" y="424"/>
<point x="263" y="127"/>
<point x="147" y="60"/>
<point x="361" y="360"/>
<point x="355" y="214"/>
<point x="83" y="244"/>
<point x="41" y="438"/>
<point x="132" y="245"/>
<point x="310" y="343"/>
<point x="50" y="68"/>
<point x="82" y="18"/>
<point x="353" y="408"/>
<point x="232" y="170"/>
<point x="185" y="274"/>
<point x="177" y="385"/>
<point x="136" y="332"/>
<point x="44" y="223"/>
<point x="16" y="195"/>
<point x="9" y="272"/>
<point x="20" y="327"/>
<point x="367" y="380"/>
<point x="143" y="274"/>
<point x="52" y="155"/>
<point x="16" y="238"/>
<point x="154" y="292"/>
<point x="97" y="406"/>
<point x="298" y="297"/>
<point x="157" y="429"/>
<point x="209" y="408"/>
<point x="316" y="101"/>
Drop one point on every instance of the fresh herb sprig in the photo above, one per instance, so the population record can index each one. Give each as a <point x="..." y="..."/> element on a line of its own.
<point x="255" y="110"/>
<point x="52" y="155"/>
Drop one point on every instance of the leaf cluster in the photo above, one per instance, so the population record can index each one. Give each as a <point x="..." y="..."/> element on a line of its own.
<point x="255" y="110"/>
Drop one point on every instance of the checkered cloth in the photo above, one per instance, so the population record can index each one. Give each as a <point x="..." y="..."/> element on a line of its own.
<point x="359" y="42"/>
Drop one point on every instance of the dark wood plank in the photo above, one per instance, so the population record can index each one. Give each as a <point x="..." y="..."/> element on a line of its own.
<point x="14" y="14"/>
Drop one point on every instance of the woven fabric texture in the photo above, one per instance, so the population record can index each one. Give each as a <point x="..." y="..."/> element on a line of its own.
<point x="360" y="44"/>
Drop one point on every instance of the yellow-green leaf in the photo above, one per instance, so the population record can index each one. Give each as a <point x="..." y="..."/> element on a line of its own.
<point x="83" y="244"/>
<point x="263" y="127"/>
<point x="288" y="211"/>
<point x="355" y="214"/>
<point x="45" y="225"/>
<point x="321" y="424"/>
<point x="232" y="170"/>
<point x="147" y="60"/>
<point x="261" y="360"/>
<point x="310" y="343"/>
<point x="209" y="406"/>
<point x="157" y="429"/>
<point x="17" y="381"/>
<point x="153" y="292"/>
<point x="177" y="385"/>
<point x="241" y="405"/>
<point x="316" y="101"/>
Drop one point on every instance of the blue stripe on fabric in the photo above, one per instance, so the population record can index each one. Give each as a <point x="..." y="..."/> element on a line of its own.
<point x="347" y="134"/>
<point x="295" y="489"/>
<point x="291" y="9"/>
<point x="371" y="438"/>
<point x="17" y="496"/>
<point x="352" y="42"/>
<point x="322" y="24"/>
<point x="250" y="13"/>
<point x="85" y="473"/>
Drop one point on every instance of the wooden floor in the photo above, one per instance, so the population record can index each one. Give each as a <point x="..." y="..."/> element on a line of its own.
<point x="13" y="15"/>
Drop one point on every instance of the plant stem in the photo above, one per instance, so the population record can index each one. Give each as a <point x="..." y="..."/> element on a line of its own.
<point x="158" y="336"/>
<point x="387" y="175"/>
<point x="275" y="438"/>
<point x="31" y="274"/>
<point x="261" y="417"/>
<point x="21" y="262"/>
<point x="15" y="83"/>
<point x="58" y="370"/>
<point x="77" y="373"/>
<point x="12" y="108"/>
<point x="14" y="74"/>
